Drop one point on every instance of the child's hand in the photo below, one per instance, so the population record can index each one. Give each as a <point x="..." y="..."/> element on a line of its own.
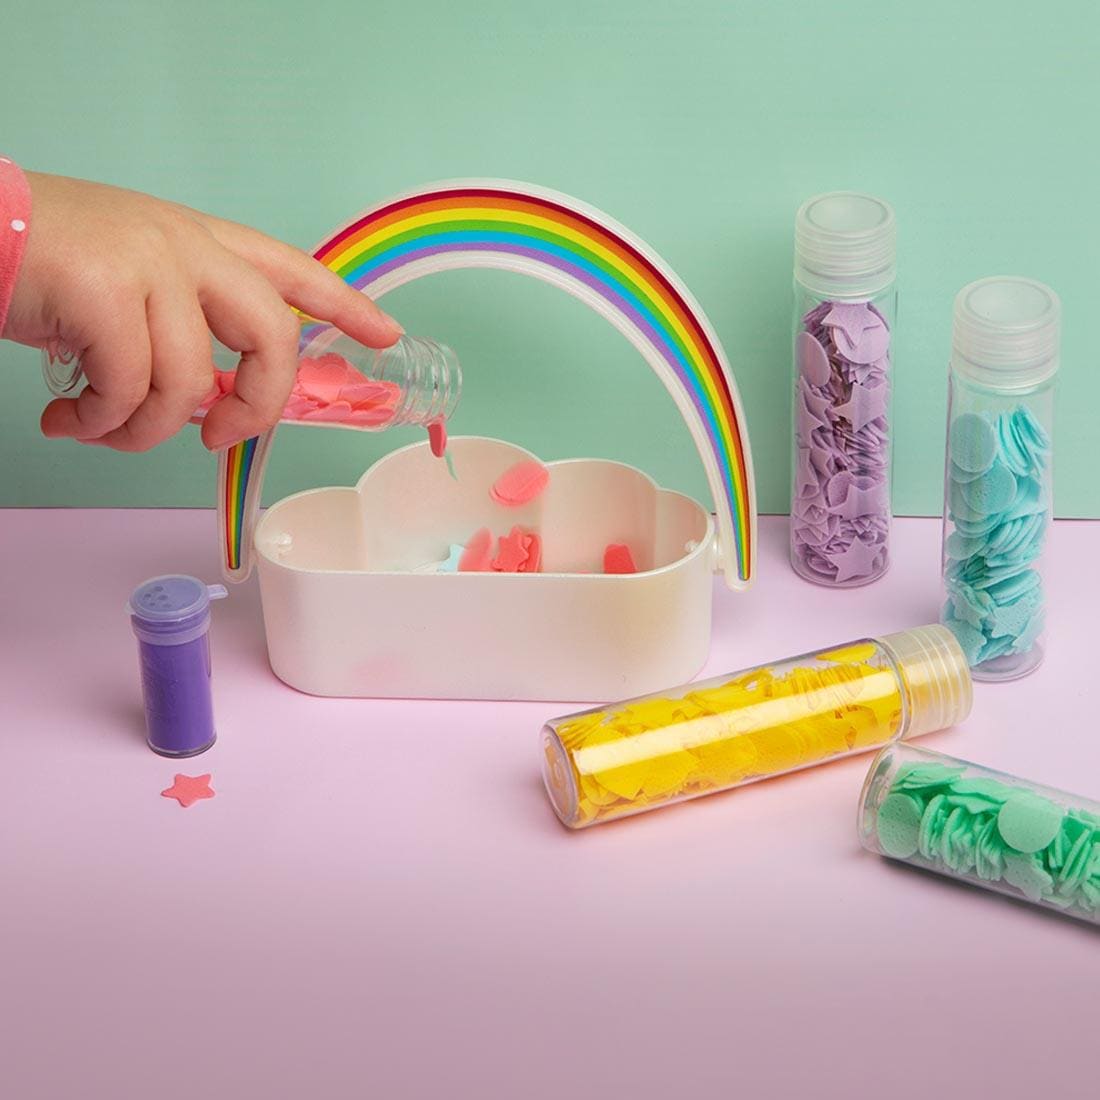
<point x="135" y="286"/>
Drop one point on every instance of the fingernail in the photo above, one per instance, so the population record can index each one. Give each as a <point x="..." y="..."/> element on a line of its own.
<point x="216" y="442"/>
<point x="393" y="323"/>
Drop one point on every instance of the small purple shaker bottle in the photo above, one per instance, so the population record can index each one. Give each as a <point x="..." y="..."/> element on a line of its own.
<point x="171" y="618"/>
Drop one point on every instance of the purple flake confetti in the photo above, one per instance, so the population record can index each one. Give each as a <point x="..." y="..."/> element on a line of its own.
<point x="840" y="515"/>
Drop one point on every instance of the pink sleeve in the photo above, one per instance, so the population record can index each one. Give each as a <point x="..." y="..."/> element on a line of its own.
<point x="15" y="221"/>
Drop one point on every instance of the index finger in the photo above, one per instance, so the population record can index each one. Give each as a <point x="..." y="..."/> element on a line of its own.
<point x="307" y="284"/>
<point x="244" y="311"/>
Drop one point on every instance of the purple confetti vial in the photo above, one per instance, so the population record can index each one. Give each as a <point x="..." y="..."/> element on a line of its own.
<point x="840" y="515"/>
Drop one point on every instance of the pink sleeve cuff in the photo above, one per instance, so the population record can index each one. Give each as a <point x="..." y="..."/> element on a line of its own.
<point x="15" y="224"/>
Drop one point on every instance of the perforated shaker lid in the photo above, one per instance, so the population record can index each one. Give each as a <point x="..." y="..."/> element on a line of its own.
<point x="165" y="605"/>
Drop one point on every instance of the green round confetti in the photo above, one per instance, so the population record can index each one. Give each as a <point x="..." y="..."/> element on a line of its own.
<point x="949" y="853"/>
<point x="1076" y="864"/>
<point x="1028" y="876"/>
<point x="918" y="776"/>
<point x="1028" y="822"/>
<point x="983" y="788"/>
<point x="988" y="857"/>
<point x="931" y="821"/>
<point x="898" y="826"/>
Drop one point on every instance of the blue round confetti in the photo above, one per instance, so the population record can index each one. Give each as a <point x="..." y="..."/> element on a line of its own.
<point x="972" y="443"/>
<point x="993" y="492"/>
<point x="998" y="513"/>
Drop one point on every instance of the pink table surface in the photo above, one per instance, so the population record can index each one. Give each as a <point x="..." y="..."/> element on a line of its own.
<point x="380" y="903"/>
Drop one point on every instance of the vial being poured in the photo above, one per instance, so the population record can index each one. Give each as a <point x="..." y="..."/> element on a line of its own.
<point x="340" y="382"/>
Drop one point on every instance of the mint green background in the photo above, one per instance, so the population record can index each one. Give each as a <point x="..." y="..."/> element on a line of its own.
<point x="701" y="126"/>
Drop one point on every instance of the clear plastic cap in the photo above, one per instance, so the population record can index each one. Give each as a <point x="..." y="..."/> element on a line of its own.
<point x="934" y="670"/>
<point x="845" y="245"/>
<point x="173" y="609"/>
<point x="1007" y="332"/>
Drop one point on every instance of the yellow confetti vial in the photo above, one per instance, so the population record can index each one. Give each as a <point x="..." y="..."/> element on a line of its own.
<point x="723" y="733"/>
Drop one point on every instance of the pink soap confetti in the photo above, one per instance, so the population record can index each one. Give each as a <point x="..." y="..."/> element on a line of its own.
<point x="323" y="377"/>
<point x="511" y="551"/>
<point x="327" y="389"/>
<point x="366" y="393"/>
<point x="618" y="559"/>
<point x="189" y="789"/>
<point x="533" y="545"/>
<point x="519" y="551"/>
<point x="478" y="555"/>
<point x="338" y="410"/>
<point x="376" y="417"/>
<point x="520" y="484"/>
<point x="437" y="437"/>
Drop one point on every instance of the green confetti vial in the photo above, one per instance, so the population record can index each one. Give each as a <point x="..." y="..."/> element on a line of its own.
<point x="992" y="832"/>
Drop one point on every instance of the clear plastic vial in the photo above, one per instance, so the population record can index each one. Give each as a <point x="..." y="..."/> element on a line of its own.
<point x="998" y="481"/>
<point x="984" y="827"/>
<point x="610" y="762"/>
<point x="415" y="381"/>
<point x="844" y="311"/>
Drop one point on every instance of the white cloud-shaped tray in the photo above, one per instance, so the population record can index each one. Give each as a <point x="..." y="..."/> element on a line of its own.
<point x="346" y="614"/>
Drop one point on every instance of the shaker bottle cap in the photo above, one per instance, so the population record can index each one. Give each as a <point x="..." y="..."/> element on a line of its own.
<point x="169" y="605"/>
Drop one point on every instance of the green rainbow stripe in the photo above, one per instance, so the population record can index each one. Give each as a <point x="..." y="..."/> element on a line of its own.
<point x="236" y="486"/>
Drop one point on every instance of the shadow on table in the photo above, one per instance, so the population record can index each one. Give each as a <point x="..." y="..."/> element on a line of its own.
<point x="126" y="716"/>
<point x="990" y="897"/>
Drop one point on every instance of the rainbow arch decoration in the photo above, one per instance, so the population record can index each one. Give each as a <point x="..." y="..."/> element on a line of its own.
<point x="550" y="236"/>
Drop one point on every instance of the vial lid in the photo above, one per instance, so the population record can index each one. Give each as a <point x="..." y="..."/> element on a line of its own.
<point x="936" y="675"/>
<point x="1006" y="332"/>
<point x="845" y="245"/>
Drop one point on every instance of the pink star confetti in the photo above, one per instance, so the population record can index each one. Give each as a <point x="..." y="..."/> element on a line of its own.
<point x="189" y="789"/>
